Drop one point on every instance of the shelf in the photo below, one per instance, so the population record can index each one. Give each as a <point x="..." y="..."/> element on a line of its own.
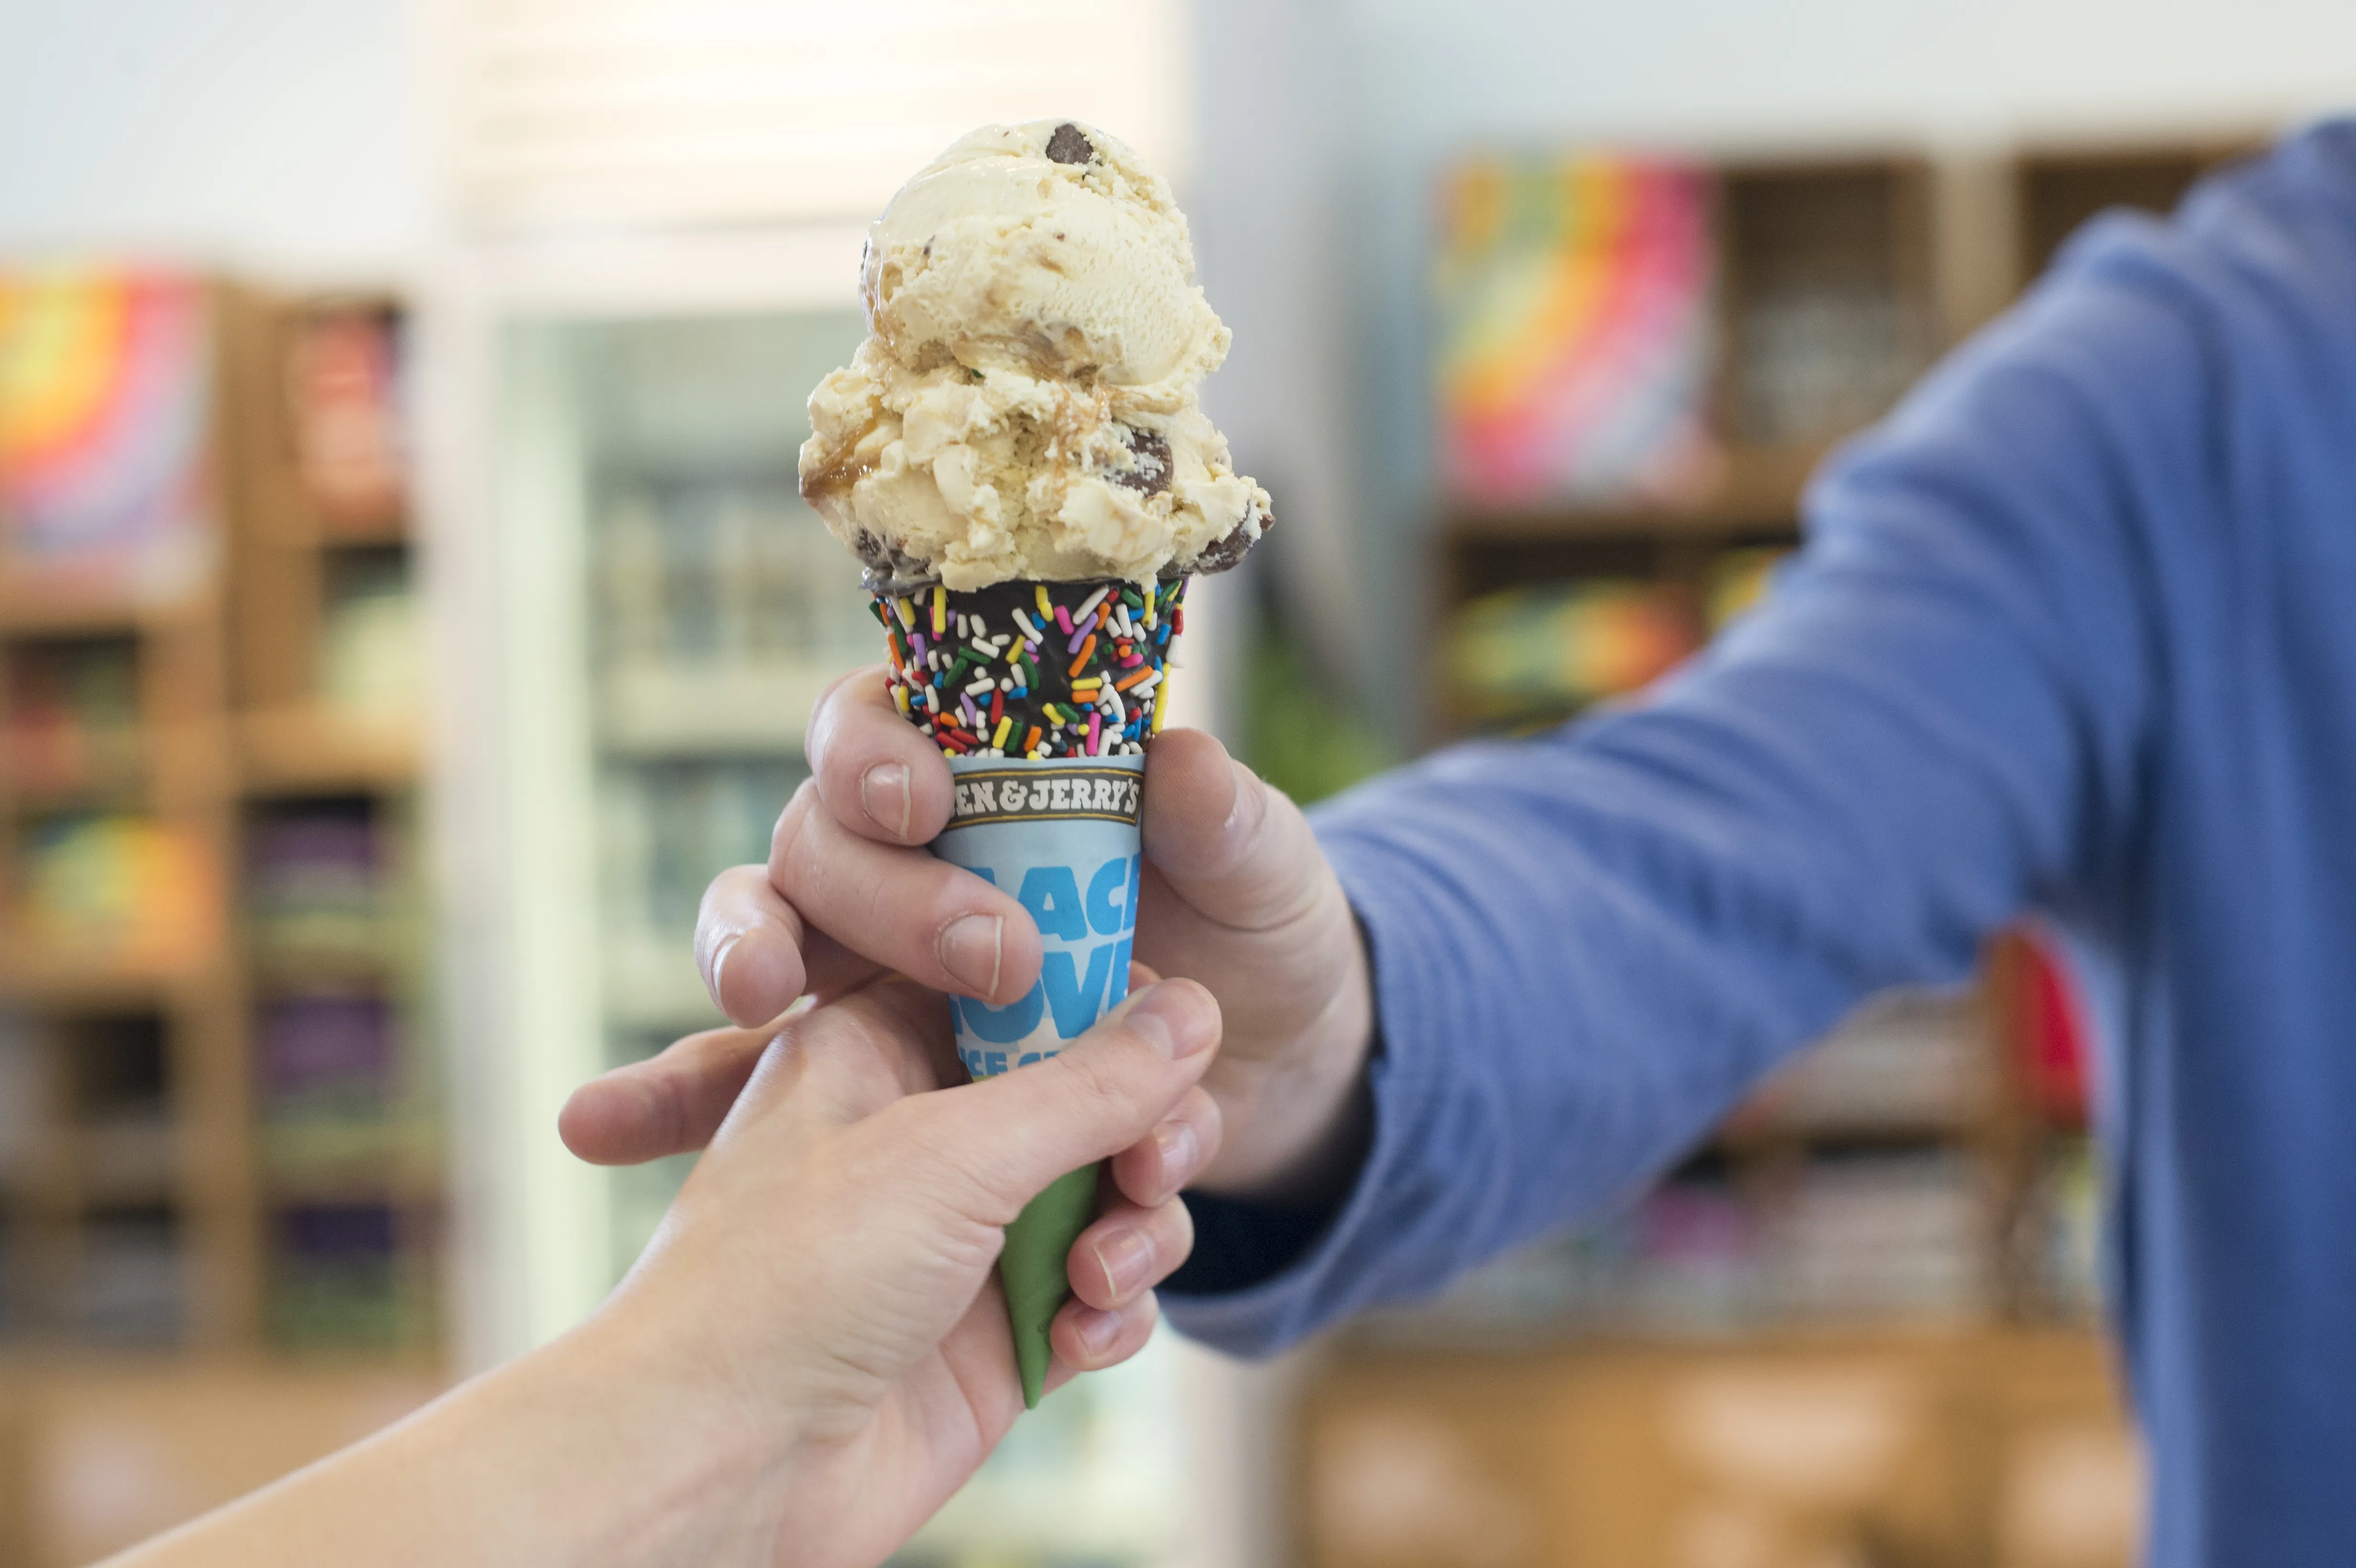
<point x="1748" y="1131"/>
<point x="50" y="980"/>
<point x="393" y="1163"/>
<point x="97" y="789"/>
<point x="168" y="767"/>
<point x="300" y="750"/>
<point x="32" y="608"/>
<point x="1757" y="490"/>
<point x="132" y="1162"/>
<point x="379" y="967"/>
<point x="674" y="710"/>
<point x="388" y="528"/>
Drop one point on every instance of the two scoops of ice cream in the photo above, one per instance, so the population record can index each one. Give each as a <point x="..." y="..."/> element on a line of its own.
<point x="1019" y="456"/>
<point x="1025" y="406"/>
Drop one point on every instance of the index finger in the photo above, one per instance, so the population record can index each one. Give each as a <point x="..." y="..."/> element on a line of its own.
<point x="876" y="772"/>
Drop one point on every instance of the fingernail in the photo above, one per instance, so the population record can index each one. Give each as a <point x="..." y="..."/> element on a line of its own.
<point x="1177" y="1147"/>
<point x="720" y="963"/>
<point x="884" y="796"/>
<point x="1172" y="1020"/>
<point x="761" y="990"/>
<point x="1126" y="1257"/>
<point x="969" y="948"/>
<point x="1251" y="805"/>
<point x="1097" y="1329"/>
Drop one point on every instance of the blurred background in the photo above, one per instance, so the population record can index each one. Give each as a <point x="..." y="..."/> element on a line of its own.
<point x="406" y="605"/>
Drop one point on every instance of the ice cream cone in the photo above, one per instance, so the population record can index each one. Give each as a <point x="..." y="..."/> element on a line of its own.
<point x="1027" y="688"/>
<point x="1019" y="456"/>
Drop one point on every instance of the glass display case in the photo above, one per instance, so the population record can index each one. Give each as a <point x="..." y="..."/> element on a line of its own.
<point x="717" y="608"/>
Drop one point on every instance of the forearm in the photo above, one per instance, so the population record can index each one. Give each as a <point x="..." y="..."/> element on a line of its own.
<point x="1585" y="947"/>
<point x="580" y="1454"/>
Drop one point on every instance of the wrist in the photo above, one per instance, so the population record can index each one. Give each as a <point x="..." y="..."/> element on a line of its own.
<point x="1303" y="1122"/>
<point x="686" y="1460"/>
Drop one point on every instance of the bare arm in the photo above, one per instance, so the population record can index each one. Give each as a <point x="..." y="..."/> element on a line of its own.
<point x="813" y="1354"/>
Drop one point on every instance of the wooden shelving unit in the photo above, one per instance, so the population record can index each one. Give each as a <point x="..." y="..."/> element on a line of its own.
<point x="144" y="1200"/>
<point x="329" y="766"/>
<point x="1935" y="1448"/>
<point x="182" y="1262"/>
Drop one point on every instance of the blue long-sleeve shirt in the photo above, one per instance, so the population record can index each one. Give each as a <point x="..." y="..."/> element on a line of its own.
<point x="2073" y="631"/>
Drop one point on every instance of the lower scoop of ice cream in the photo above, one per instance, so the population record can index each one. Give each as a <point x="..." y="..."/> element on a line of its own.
<point x="1025" y="406"/>
<point x="975" y="477"/>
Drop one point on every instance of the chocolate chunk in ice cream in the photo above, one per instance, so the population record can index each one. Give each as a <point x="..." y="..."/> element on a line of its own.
<point x="1223" y="552"/>
<point x="1070" y="144"/>
<point x="1150" y="476"/>
<point x="888" y="566"/>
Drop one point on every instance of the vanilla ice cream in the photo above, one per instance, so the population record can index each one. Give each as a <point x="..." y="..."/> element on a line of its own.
<point x="1025" y="404"/>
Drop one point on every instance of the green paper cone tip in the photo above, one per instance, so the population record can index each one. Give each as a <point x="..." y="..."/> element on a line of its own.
<point x="1034" y="1269"/>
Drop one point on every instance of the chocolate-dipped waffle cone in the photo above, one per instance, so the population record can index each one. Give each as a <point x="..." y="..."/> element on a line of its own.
<point x="1044" y="697"/>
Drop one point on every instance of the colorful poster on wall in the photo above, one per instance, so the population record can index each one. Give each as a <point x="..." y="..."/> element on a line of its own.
<point x="1574" y="353"/>
<point x="104" y="396"/>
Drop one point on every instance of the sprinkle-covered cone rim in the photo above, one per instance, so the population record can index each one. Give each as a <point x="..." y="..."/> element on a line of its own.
<point x="1039" y="670"/>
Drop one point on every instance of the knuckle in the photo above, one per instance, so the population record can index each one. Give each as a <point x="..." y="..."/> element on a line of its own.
<point x="828" y="711"/>
<point x="793" y="844"/>
<point x="939" y="1165"/>
<point x="1093" y="1079"/>
<point x="1210" y="1124"/>
<point x="724" y="895"/>
<point x="1174" y="1237"/>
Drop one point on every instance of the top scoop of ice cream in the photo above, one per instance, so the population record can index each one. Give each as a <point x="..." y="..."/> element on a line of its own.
<point x="1003" y="256"/>
<point x="1025" y="405"/>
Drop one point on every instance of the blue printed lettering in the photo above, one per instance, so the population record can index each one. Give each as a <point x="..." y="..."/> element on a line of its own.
<point x="1076" y="1001"/>
<point x="1052" y="896"/>
<point x="1110" y="919"/>
<point x="1117" y="983"/>
<point x="1000" y="1026"/>
<point x="1136" y="878"/>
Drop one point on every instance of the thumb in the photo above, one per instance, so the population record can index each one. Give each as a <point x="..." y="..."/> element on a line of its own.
<point x="1234" y="848"/>
<point x="1005" y="1139"/>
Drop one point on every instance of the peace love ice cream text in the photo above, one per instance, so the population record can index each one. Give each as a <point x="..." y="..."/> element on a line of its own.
<point x="1088" y="926"/>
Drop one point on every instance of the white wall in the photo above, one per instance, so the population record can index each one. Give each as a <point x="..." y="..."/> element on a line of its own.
<point x="1685" y="69"/>
<point x="293" y="133"/>
<point x="281" y="135"/>
<point x="1326" y="120"/>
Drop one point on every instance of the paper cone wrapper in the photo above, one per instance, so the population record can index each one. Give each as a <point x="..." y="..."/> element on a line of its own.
<point x="1061" y="836"/>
